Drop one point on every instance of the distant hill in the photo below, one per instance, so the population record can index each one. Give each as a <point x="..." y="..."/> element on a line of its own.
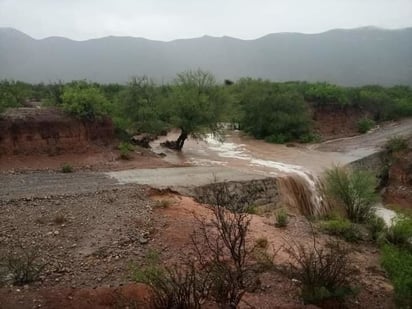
<point x="349" y="57"/>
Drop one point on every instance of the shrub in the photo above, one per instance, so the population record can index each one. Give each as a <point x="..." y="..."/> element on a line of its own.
<point x="163" y="203"/>
<point x="220" y="246"/>
<point x="309" y="137"/>
<point x="400" y="232"/>
<point x="325" y="273"/>
<point x="84" y="101"/>
<point x="67" y="168"/>
<point x="278" y="138"/>
<point x="355" y="190"/>
<point x="342" y="228"/>
<point x="377" y="228"/>
<point x="398" y="263"/>
<point x="396" y="144"/>
<point x="125" y="149"/>
<point x="262" y="242"/>
<point x="251" y="210"/>
<point x="365" y="124"/>
<point x="172" y="287"/>
<point x="221" y="266"/>
<point x="281" y="218"/>
<point x="23" y="266"/>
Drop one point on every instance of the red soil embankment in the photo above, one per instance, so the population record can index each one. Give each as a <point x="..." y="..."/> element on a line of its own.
<point x="30" y="131"/>
<point x="335" y="122"/>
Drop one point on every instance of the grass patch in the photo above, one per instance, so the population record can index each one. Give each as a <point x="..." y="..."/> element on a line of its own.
<point x="377" y="228"/>
<point x="125" y="149"/>
<point x="252" y="210"/>
<point x="365" y="124"/>
<point x="282" y="219"/>
<point x="396" y="144"/>
<point x="163" y="203"/>
<point x="398" y="264"/>
<point x="342" y="228"/>
<point x="400" y="233"/>
<point x="67" y="168"/>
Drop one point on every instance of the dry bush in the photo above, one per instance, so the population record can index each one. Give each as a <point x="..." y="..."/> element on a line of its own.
<point x="221" y="268"/>
<point x="324" y="272"/>
<point x="21" y="266"/>
<point x="175" y="287"/>
<point x="221" y="249"/>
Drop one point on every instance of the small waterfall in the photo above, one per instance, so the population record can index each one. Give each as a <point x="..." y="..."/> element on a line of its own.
<point x="298" y="188"/>
<point x="302" y="194"/>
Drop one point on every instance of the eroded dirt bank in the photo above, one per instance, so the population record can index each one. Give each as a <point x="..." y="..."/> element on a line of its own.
<point x="31" y="131"/>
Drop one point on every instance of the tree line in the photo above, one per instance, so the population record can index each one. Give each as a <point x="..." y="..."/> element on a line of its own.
<point x="196" y="103"/>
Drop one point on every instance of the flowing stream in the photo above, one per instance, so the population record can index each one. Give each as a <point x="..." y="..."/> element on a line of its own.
<point x="297" y="167"/>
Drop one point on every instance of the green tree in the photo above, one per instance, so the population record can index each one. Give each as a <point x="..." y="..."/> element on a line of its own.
<point x="273" y="112"/>
<point x="196" y="105"/>
<point x="84" y="101"/>
<point x="141" y="106"/>
<point x="13" y="94"/>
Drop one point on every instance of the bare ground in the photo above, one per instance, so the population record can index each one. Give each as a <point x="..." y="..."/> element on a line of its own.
<point x="90" y="255"/>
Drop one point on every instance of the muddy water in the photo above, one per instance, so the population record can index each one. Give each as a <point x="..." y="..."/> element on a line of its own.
<point x="245" y="153"/>
<point x="296" y="166"/>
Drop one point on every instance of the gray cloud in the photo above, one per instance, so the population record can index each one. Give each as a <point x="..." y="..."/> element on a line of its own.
<point x="167" y="20"/>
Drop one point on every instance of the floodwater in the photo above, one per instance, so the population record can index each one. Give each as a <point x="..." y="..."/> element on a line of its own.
<point x="287" y="162"/>
<point x="245" y="153"/>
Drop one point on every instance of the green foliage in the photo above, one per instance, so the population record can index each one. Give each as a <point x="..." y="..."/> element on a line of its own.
<point x="251" y="209"/>
<point x="84" y="101"/>
<point x="327" y="94"/>
<point x="67" y="168"/>
<point x="398" y="263"/>
<point x="281" y="218"/>
<point x="354" y="190"/>
<point x="125" y="149"/>
<point x="196" y="104"/>
<point x="342" y="228"/>
<point x="13" y="94"/>
<point x="396" y="144"/>
<point x="272" y="113"/>
<point x="141" y="107"/>
<point x="400" y="232"/>
<point x="377" y="228"/>
<point x="309" y="137"/>
<point x="365" y="124"/>
<point x="325" y="273"/>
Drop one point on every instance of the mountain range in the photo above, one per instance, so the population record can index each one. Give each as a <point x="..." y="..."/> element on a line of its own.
<point x="367" y="55"/>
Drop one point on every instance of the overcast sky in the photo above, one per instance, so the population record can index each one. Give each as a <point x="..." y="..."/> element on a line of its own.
<point x="173" y="19"/>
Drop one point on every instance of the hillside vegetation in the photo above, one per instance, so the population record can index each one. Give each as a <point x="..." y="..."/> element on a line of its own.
<point x="196" y="104"/>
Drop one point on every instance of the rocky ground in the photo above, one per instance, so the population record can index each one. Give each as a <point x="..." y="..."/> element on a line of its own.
<point x="89" y="244"/>
<point x="83" y="240"/>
